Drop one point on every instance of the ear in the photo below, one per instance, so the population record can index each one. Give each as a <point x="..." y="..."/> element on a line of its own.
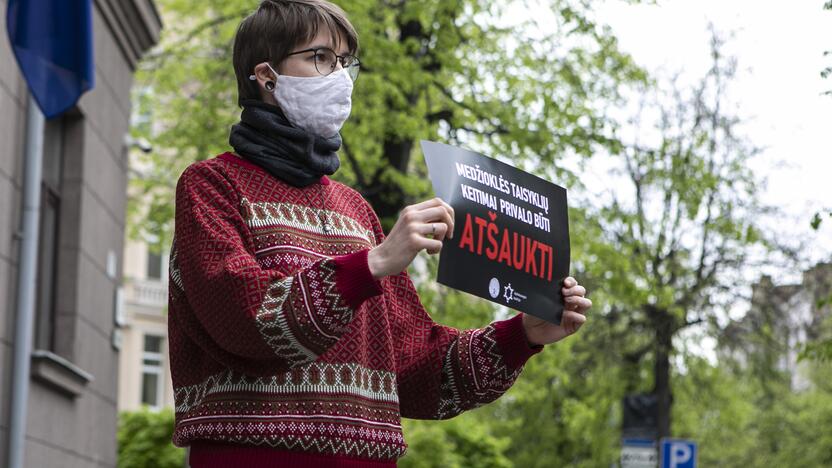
<point x="262" y="74"/>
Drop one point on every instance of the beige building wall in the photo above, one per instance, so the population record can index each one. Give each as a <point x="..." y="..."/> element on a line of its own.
<point x="145" y="308"/>
<point x="72" y="409"/>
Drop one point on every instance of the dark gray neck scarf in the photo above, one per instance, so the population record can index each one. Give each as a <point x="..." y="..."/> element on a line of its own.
<point x="265" y="137"/>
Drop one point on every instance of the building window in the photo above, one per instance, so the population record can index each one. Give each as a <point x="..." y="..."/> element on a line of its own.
<point x="154" y="265"/>
<point x="50" y="209"/>
<point x="152" y="371"/>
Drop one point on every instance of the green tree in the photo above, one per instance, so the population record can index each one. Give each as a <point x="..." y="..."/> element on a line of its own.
<point x="820" y="348"/>
<point x="456" y="443"/>
<point x="673" y="246"/>
<point x="731" y="416"/>
<point x="716" y="407"/>
<point x="144" y="440"/>
<point x="750" y="410"/>
<point x="564" y="409"/>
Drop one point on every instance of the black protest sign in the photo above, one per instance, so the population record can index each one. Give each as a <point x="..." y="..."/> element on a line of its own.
<point x="511" y="234"/>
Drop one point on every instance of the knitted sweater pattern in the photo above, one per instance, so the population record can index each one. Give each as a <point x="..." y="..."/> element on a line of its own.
<point x="280" y="337"/>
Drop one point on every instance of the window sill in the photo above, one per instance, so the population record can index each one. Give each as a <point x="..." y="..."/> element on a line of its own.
<point x="58" y="373"/>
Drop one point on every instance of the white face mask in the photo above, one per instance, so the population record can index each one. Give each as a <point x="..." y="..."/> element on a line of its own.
<point x="318" y="104"/>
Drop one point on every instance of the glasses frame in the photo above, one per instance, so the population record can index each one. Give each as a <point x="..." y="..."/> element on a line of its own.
<point x="355" y="65"/>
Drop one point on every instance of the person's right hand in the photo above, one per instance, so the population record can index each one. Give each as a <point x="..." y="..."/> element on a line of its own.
<point x="420" y="226"/>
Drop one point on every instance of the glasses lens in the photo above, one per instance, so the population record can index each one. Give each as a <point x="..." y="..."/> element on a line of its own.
<point x="325" y="61"/>
<point x="352" y="65"/>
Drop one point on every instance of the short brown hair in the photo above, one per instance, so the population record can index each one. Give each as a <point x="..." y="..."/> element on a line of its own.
<point x="278" y="26"/>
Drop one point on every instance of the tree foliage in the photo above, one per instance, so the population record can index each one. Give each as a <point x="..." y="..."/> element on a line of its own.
<point x="674" y="241"/>
<point x="721" y="410"/>
<point x="144" y="440"/>
<point x="453" y="444"/>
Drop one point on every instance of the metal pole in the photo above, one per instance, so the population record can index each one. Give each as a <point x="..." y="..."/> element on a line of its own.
<point x="26" y="275"/>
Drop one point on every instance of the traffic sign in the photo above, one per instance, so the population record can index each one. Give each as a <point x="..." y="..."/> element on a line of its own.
<point x="638" y="453"/>
<point x="676" y="453"/>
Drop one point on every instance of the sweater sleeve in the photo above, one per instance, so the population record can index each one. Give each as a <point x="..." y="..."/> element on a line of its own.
<point x="257" y="320"/>
<point x="442" y="371"/>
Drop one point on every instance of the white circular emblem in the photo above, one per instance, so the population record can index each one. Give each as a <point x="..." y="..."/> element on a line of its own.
<point x="494" y="288"/>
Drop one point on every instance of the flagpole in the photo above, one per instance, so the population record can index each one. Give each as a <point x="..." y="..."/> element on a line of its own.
<point x="26" y="276"/>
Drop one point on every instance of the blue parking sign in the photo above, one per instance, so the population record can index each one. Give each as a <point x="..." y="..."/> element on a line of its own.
<point x="677" y="453"/>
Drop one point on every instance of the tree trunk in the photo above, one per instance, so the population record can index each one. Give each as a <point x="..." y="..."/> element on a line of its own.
<point x="664" y="336"/>
<point x="386" y="197"/>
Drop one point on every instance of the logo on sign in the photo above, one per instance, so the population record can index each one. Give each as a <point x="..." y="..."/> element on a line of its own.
<point x="494" y="288"/>
<point x="511" y="295"/>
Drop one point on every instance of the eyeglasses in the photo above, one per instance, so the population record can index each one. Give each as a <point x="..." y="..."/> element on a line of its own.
<point x="326" y="60"/>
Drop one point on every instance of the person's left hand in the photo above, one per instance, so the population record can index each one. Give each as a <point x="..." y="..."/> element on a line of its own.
<point x="541" y="332"/>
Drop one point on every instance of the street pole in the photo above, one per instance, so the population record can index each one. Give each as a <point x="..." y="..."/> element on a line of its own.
<point x="26" y="277"/>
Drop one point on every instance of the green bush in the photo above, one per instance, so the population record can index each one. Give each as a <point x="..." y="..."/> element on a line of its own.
<point x="144" y="440"/>
<point x="462" y="442"/>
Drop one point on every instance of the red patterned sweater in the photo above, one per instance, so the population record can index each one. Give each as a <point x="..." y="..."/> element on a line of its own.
<point x="285" y="350"/>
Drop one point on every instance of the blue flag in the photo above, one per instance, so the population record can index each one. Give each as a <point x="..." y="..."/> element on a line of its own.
<point x="52" y="41"/>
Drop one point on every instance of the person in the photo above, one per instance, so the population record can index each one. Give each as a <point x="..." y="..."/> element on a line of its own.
<point x="296" y="337"/>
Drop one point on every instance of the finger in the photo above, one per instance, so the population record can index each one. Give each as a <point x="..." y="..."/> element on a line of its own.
<point x="436" y="214"/>
<point x="448" y="218"/>
<point x="568" y="325"/>
<point x="577" y="303"/>
<point x="436" y="201"/>
<point x="572" y="321"/>
<point x="432" y="246"/>
<point x="577" y="321"/>
<point x="427" y="215"/>
<point x="453" y="219"/>
<point x="575" y="291"/>
<point x="569" y="282"/>
<point x="570" y="305"/>
<point x="435" y="230"/>
<point x="567" y="322"/>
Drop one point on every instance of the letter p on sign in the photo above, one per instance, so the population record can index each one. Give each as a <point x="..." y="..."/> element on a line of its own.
<point x="678" y="453"/>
